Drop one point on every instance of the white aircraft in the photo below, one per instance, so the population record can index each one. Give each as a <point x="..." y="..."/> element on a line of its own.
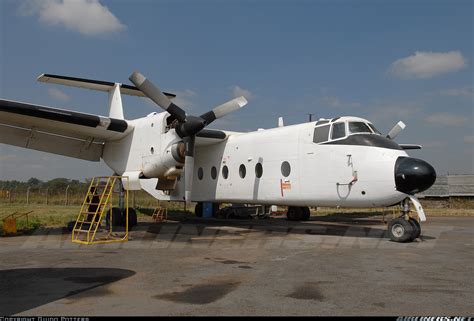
<point x="343" y="162"/>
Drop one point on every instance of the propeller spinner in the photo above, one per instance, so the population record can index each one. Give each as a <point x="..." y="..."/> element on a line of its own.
<point x="188" y="125"/>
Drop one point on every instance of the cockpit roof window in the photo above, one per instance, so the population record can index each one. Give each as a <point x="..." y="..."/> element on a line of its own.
<point x="320" y="122"/>
<point x="359" y="127"/>
<point x="321" y="134"/>
<point x="375" y="130"/>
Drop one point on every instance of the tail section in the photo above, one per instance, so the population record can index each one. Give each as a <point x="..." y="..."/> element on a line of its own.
<point x="115" y="102"/>
<point x="114" y="89"/>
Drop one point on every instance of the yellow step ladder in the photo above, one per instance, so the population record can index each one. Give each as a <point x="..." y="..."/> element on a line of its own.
<point x="98" y="201"/>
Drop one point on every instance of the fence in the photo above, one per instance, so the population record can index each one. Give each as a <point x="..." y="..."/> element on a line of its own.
<point x="32" y="195"/>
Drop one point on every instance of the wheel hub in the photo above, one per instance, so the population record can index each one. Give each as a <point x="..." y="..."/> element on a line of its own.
<point x="398" y="230"/>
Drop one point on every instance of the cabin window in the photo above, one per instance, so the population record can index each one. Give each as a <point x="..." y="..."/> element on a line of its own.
<point x="321" y="134"/>
<point x="338" y="130"/>
<point x="258" y="170"/>
<point x="359" y="127"/>
<point x="285" y="169"/>
<point x="374" y="129"/>
<point x="214" y="172"/>
<point x="200" y="173"/>
<point x="242" y="171"/>
<point x="225" y="171"/>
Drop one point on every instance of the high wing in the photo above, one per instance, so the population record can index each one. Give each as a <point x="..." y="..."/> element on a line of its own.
<point x="58" y="131"/>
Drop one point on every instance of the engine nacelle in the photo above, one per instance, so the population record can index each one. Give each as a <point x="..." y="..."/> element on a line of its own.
<point x="168" y="164"/>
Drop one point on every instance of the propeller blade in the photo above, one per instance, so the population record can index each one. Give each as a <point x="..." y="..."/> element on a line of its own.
<point x="224" y="109"/>
<point x="188" y="167"/>
<point x="396" y="130"/>
<point x="155" y="94"/>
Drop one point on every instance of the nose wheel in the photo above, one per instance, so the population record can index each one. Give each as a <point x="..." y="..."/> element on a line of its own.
<point x="404" y="228"/>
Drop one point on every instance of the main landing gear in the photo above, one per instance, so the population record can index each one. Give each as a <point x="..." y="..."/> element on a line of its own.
<point x="404" y="228"/>
<point x="298" y="213"/>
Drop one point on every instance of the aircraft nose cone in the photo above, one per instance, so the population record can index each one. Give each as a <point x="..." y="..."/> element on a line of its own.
<point x="413" y="175"/>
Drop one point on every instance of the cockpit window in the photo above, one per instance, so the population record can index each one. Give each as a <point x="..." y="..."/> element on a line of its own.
<point x="321" y="134"/>
<point x="338" y="130"/>
<point x="359" y="127"/>
<point x="374" y="129"/>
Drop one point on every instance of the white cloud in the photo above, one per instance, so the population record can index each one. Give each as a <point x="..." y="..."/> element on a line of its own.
<point x="392" y="111"/>
<point x="469" y="139"/>
<point x="458" y="92"/>
<point x="185" y="99"/>
<point x="424" y="64"/>
<point x="237" y="92"/>
<point x="445" y="119"/>
<point x="335" y="102"/>
<point x="87" y="17"/>
<point x="58" y="94"/>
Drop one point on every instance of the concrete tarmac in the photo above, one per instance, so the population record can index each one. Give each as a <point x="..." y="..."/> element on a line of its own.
<point x="338" y="265"/>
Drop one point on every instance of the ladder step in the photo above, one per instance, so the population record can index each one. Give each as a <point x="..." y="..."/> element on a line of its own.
<point x="87" y="222"/>
<point x="81" y="231"/>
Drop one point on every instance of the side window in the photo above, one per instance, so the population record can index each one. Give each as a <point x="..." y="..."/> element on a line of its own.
<point x="214" y="172"/>
<point x="321" y="134"/>
<point x="338" y="130"/>
<point x="225" y="171"/>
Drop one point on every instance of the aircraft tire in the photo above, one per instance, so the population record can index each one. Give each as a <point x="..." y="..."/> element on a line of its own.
<point x="400" y="230"/>
<point x="117" y="218"/>
<point x="215" y="210"/>
<point x="132" y="218"/>
<point x="198" y="209"/>
<point x="294" y="213"/>
<point x="306" y="213"/>
<point x="416" y="229"/>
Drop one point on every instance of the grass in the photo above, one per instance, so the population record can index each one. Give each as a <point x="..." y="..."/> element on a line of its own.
<point x="60" y="215"/>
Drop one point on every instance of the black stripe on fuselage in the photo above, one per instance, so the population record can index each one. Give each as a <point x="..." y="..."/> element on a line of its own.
<point x="366" y="140"/>
<point x="60" y="115"/>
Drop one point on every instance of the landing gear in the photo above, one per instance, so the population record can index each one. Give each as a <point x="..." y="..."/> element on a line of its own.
<point x="400" y="230"/>
<point x="298" y="213"/>
<point x="306" y="213"/>
<point x="416" y="228"/>
<point x="294" y="213"/>
<point x="198" y="210"/>
<point x="404" y="228"/>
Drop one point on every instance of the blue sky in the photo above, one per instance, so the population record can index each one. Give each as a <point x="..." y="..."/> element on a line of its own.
<point x="382" y="60"/>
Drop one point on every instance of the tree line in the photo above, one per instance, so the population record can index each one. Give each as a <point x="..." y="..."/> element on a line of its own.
<point x="56" y="185"/>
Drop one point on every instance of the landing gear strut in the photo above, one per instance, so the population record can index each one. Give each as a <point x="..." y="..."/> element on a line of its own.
<point x="298" y="213"/>
<point x="404" y="228"/>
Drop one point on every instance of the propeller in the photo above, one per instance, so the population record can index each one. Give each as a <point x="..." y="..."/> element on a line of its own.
<point x="396" y="130"/>
<point x="188" y="125"/>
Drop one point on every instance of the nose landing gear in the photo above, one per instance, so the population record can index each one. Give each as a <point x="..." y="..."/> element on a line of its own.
<point x="404" y="228"/>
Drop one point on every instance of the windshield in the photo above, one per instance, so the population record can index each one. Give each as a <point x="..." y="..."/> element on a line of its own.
<point x="338" y="130"/>
<point x="375" y="130"/>
<point x="359" y="127"/>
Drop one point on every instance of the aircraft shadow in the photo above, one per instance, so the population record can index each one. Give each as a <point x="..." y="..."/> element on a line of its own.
<point x="278" y="226"/>
<point x="24" y="289"/>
